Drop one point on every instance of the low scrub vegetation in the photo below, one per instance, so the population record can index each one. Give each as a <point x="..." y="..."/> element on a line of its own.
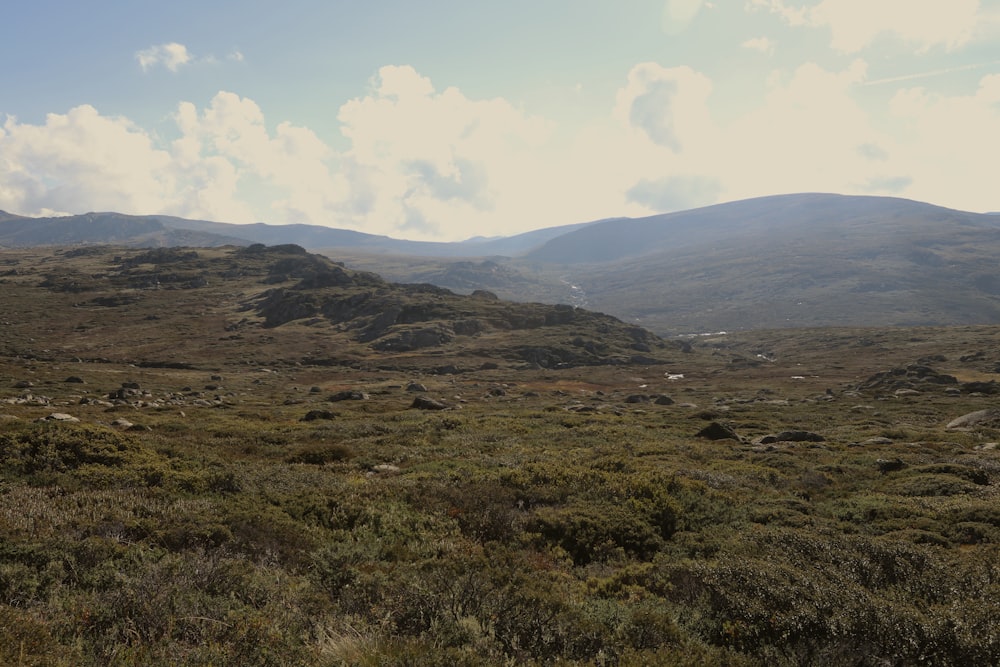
<point x="532" y="538"/>
<point x="191" y="514"/>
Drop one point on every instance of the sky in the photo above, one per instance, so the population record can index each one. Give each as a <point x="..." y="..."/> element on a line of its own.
<point x="450" y="119"/>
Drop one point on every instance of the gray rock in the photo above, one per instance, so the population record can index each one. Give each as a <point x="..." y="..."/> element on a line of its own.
<point x="425" y="403"/>
<point x="60" y="417"/>
<point x="877" y="441"/>
<point x="415" y="386"/>
<point x="718" y="431"/>
<point x="977" y="418"/>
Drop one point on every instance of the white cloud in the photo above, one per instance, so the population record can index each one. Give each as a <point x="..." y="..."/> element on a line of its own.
<point x="679" y="14"/>
<point x="422" y="162"/>
<point x="951" y="143"/>
<point x="762" y="44"/>
<point x="669" y="105"/>
<point x="794" y="16"/>
<point x="81" y="158"/>
<point x="171" y="56"/>
<point x="439" y="161"/>
<point x="804" y="137"/>
<point x="856" y="24"/>
<point x="926" y="23"/>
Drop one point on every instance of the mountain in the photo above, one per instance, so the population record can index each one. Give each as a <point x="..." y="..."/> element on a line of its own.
<point x="774" y="262"/>
<point x="797" y="260"/>
<point x="767" y="219"/>
<point x="162" y="231"/>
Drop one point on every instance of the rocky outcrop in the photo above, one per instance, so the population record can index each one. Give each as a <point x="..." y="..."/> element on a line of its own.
<point x="989" y="417"/>
<point x="914" y="376"/>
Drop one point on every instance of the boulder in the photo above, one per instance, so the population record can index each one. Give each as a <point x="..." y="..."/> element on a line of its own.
<point x="718" y="431"/>
<point x="989" y="416"/>
<point x="59" y="417"/>
<point x="425" y="403"/>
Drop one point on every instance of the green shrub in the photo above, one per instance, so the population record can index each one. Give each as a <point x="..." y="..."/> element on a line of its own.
<point x="55" y="448"/>
<point x="321" y="453"/>
<point x="597" y="532"/>
<point x="931" y="485"/>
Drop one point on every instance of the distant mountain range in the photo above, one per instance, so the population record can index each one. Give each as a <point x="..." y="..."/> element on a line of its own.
<point x="18" y="231"/>
<point x="772" y="262"/>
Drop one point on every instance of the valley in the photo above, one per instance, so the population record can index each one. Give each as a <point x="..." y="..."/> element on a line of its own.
<point x="256" y="455"/>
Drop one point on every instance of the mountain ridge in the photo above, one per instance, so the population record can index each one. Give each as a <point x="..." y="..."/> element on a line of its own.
<point x="795" y="260"/>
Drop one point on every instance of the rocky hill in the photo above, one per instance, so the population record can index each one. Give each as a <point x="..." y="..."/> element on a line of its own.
<point x="199" y="307"/>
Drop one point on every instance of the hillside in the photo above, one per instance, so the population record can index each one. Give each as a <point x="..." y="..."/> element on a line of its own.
<point x="256" y="456"/>
<point x="800" y="260"/>
<point x="791" y="261"/>
<point x="325" y="313"/>
<point x="808" y="260"/>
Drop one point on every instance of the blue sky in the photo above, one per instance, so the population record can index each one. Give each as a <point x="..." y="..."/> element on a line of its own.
<point x="444" y="119"/>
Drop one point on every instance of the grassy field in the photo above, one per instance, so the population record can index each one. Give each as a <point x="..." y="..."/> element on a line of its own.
<point x="252" y="501"/>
